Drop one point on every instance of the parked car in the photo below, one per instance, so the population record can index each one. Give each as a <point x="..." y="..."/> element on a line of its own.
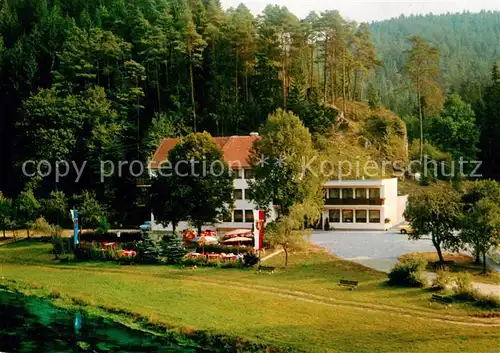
<point x="405" y="229"/>
<point x="145" y="226"/>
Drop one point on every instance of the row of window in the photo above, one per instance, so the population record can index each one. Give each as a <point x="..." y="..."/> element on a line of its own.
<point x="354" y="216"/>
<point x="348" y="193"/>
<point x="243" y="173"/>
<point x="240" y="216"/>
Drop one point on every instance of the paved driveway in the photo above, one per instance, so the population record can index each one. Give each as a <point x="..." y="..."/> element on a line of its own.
<point x="375" y="249"/>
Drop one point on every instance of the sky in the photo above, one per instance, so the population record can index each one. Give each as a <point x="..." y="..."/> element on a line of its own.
<point x="370" y="10"/>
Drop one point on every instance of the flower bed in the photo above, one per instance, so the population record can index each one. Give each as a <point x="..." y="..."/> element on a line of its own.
<point x="107" y="251"/>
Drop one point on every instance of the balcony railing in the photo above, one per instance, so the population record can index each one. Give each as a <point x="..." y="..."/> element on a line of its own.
<point x="353" y="202"/>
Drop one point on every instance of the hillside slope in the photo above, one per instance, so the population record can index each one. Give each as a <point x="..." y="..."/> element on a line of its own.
<point x="469" y="43"/>
<point x="364" y="136"/>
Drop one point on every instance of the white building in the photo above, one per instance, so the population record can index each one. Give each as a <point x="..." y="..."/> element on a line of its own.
<point x="236" y="150"/>
<point x="363" y="204"/>
<point x="349" y="204"/>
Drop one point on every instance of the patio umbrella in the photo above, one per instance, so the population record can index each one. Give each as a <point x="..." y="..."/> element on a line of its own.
<point x="205" y="240"/>
<point x="239" y="233"/>
<point x="237" y="240"/>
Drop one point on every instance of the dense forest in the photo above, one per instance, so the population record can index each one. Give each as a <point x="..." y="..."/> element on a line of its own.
<point x="88" y="81"/>
<point x="469" y="43"/>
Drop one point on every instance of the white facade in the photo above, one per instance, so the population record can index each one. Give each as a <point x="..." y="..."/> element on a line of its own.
<point x="242" y="215"/>
<point x="349" y="205"/>
<point x="363" y="204"/>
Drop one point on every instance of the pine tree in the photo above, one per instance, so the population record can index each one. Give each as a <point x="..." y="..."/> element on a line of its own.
<point x="374" y="99"/>
<point x="149" y="249"/>
<point x="174" y="249"/>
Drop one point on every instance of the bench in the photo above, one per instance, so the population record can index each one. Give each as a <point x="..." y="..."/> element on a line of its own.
<point x="268" y="269"/>
<point x="350" y="284"/>
<point x="441" y="300"/>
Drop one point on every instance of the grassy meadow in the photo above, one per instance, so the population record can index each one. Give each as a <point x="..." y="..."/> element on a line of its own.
<point x="301" y="307"/>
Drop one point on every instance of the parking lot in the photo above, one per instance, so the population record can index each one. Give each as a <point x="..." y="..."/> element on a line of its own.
<point x="375" y="249"/>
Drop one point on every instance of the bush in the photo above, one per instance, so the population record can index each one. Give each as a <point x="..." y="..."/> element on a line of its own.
<point x="173" y="248"/>
<point x="443" y="280"/>
<point x="111" y="236"/>
<point x="327" y="224"/>
<point x="61" y="246"/>
<point x="219" y="249"/>
<point x="410" y="271"/>
<point x="200" y="261"/>
<point x="232" y="264"/>
<point x="487" y="300"/>
<point x="149" y="250"/>
<point x="102" y="226"/>
<point x="463" y="288"/>
<point x="250" y="259"/>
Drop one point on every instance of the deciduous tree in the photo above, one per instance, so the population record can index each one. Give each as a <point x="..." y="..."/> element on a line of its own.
<point x="435" y="212"/>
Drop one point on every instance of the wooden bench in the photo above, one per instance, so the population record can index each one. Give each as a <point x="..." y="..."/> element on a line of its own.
<point x="441" y="300"/>
<point x="350" y="284"/>
<point x="268" y="269"/>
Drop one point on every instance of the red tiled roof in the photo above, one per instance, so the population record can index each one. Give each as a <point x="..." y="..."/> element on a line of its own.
<point x="236" y="149"/>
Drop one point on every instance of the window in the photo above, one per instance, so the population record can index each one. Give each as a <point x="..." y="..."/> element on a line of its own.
<point x="334" y="216"/>
<point x="249" y="216"/>
<point x="374" y="216"/>
<point x="374" y="193"/>
<point x="227" y="217"/>
<point x="238" y="194"/>
<point x="334" y="193"/>
<point x="347" y="194"/>
<point x="347" y="216"/>
<point x="237" y="173"/>
<point x="238" y="215"/>
<point x="361" y="216"/>
<point x="248" y="173"/>
<point x="361" y="193"/>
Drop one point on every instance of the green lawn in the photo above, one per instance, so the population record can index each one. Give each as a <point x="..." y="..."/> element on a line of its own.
<point x="301" y="307"/>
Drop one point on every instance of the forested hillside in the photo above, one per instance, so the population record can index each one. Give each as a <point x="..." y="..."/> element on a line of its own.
<point x="468" y="43"/>
<point x="86" y="81"/>
<point x="91" y="81"/>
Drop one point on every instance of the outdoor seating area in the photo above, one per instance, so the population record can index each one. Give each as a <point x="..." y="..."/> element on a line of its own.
<point x="210" y="247"/>
<point x="216" y="256"/>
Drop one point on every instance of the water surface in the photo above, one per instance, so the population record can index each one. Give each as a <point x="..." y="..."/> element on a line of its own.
<point x="30" y="324"/>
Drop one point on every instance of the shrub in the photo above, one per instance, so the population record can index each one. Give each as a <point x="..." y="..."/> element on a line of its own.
<point x="213" y="263"/>
<point x="102" y="226"/>
<point x="410" y="271"/>
<point x="173" y="249"/>
<point x="61" y="246"/>
<point x="218" y="249"/>
<point x="250" y="259"/>
<point x="149" y="249"/>
<point x="232" y="264"/>
<point x="487" y="300"/>
<point x="463" y="288"/>
<point x="200" y="261"/>
<point x="111" y="236"/>
<point x="129" y="245"/>
<point x="327" y="224"/>
<point x="443" y="279"/>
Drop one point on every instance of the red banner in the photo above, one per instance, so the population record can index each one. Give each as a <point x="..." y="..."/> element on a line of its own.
<point x="259" y="224"/>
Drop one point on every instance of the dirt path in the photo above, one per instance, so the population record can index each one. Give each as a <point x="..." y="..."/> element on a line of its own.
<point x="267" y="257"/>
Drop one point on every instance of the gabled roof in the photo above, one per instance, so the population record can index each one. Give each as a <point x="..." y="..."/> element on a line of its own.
<point x="236" y="149"/>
